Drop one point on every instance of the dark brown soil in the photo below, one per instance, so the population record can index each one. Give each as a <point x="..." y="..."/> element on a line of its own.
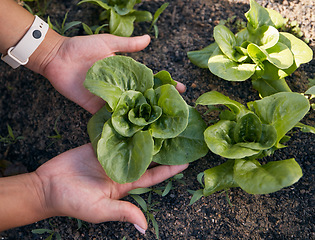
<point x="31" y="106"/>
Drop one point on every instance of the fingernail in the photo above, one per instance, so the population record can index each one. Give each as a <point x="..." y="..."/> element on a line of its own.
<point x="140" y="229"/>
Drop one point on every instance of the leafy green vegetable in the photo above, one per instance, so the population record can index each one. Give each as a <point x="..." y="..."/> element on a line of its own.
<point x="271" y="177"/>
<point x="200" y="58"/>
<point x="251" y="176"/>
<point x="219" y="178"/>
<point x="171" y="151"/>
<point x="120" y="15"/>
<point x="252" y="133"/>
<point x="124" y="159"/>
<point x="259" y="52"/>
<point x="282" y="111"/>
<point x="149" y="120"/>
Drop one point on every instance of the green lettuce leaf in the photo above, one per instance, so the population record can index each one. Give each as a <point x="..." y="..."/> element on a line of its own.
<point x="96" y="124"/>
<point x="174" y="118"/>
<point x="219" y="139"/>
<point x="108" y="81"/>
<point x="201" y="57"/>
<point x="219" y="178"/>
<point x="258" y="16"/>
<point x="301" y="51"/>
<point x="254" y="178"/>
<point x="216" y="98"/>
<point x="121" y="25"/>
<point x="124" y="159"/>
<point x="281" y="110"/>
<point x="171" y="152"/>
<point x="223" y="67"/>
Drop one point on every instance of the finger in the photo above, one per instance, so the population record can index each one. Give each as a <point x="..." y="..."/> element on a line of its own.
<point x="180" y="87"/>
<point x="153" y="164"/>
<point x="156" y="175"/>
<point x="129" y="44"/>
<point x="117" y="210"/>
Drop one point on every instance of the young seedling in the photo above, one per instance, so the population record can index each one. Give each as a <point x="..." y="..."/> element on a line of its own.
<point x="145" y="120"/>
<point x="147" y="207"/>
<point x="63" y="27"/>
<point x="233" y="23"/>
<point x="259" y="52"/>
<point x="155" y="19"/>
<point x="80" y="223"/>
<point x="293" y="28"/>
<point x="10" y="139"/>
<point x="57" y="135"/>
<point x="93" y="30"/>
<point x="35" y="7"/>
<point x="198" y="194"/>
<point x="48" y="231"/>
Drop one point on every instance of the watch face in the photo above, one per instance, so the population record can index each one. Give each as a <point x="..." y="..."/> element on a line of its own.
<point x="37" y="34"/>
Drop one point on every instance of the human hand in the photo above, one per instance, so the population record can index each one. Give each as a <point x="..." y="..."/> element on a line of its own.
<point x="74" y="184"/>
<point x="69" y="60"/>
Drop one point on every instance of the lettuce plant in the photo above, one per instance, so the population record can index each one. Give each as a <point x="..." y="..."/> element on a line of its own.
<point x="259" y="52"/>
<point x="145" y="119"/>
<point x="245" y="134"/>
<point x="120" y="15"/>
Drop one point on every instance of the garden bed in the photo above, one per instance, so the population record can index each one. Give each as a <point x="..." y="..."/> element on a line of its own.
<point x="35" y="110"/>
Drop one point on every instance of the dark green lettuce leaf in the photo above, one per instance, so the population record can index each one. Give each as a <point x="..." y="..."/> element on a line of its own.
<point x="121" y="25"/>
<point x="216" y="98"/>
<point x="110" y="77"/>
<point x="220" y="140"/>
<point x="187" y="146"/>
<point x="251" y="176"/>
<point x="163" y="77"/>
<point x="262" y="179"/>
<point x="124" y="159"/>
<point x="201" y="57"/>
<point x="219" y="178"/>
<point x="96" y="124"/>
<point x="174" y="118"/>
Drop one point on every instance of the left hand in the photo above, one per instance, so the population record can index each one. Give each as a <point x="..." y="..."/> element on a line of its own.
<point x="67" y="68"/>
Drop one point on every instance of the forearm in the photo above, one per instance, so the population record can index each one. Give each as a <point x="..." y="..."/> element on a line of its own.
<point x="15" y="21"/>
<point x="21" y="201"/>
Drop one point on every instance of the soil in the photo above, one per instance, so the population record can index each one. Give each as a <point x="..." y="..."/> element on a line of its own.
<point x="32" y="107"/>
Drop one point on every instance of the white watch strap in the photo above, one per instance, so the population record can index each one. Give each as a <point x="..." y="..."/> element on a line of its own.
<point x="19" y="54"/>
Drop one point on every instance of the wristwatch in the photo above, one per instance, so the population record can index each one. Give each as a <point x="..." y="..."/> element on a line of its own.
<point x="19" y="54"/>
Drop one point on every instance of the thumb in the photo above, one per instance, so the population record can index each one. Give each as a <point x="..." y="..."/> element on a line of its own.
<point x="126" y="212"/>
<point x="129" y="44"/>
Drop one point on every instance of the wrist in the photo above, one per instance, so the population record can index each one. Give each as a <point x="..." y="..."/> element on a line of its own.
<point x="42" y="208"/>
<point x="22" y="201"/>
<point x="45" y="52"/>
